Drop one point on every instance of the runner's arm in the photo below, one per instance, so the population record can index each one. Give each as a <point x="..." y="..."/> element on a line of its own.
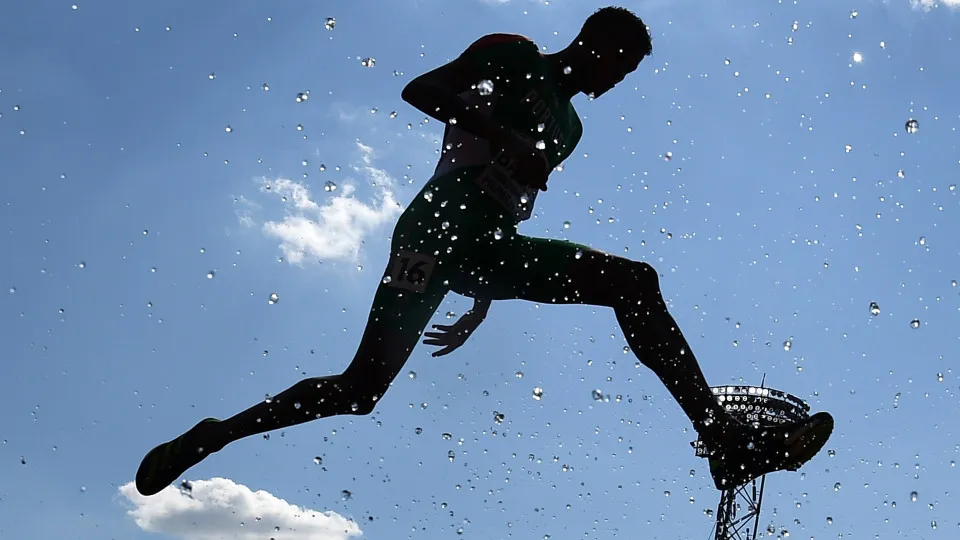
<point x="437" y="94"/>
<point x="481" y="306"/>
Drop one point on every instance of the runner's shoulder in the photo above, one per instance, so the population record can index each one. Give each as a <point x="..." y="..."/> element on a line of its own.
<point x="499" y="39"/>
<point x="502" y="43"/>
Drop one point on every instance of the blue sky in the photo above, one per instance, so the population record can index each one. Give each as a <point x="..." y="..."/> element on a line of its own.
<point x="122" y="191"/>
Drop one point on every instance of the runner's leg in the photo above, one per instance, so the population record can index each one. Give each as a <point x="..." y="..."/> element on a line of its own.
<point x="561" y="272"/>
<point x="394" y="326"/>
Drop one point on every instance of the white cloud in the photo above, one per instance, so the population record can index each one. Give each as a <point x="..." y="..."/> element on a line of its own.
<point x="220" y="509"/>
<point x="242" y="207"/>
<point x="335" y="228"/>
<point x="927" y="5"/>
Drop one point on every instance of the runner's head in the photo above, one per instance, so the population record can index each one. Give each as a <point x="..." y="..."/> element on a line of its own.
<point x="609" y="46"/>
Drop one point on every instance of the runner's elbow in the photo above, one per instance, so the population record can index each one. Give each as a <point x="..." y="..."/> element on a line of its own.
<point x="421" y="94"/>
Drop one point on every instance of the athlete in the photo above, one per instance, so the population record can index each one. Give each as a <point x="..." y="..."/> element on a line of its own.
<point x="509" y="122"/>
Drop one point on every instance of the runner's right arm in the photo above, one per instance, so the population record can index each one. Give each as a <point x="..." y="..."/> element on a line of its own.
<point x="437" y="94"/>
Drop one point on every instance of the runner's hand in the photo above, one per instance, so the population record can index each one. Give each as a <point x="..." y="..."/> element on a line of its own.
<point x="453" y="336"/>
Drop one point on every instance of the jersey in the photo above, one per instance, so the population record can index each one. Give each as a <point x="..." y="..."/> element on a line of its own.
<point x="518" y="88"/>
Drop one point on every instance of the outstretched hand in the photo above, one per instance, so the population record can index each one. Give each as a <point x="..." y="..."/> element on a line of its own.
<point x="451" y="337"/>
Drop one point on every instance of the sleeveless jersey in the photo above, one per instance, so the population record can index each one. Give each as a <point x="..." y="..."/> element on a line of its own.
<point x="517" y="87"/>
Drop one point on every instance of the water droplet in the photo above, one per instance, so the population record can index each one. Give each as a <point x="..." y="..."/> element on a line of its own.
<point x="597" y="395"/>
<point x="446" y="436"/>
<point x="368" y="62"/>
<point x="915" y="323"/>
<point x="329" y="186"/>
<point x="913" y="496"/>
<point x="346" y="494"/>
<point x="857" y="57"/>
<point x="82" y="265"/>
<point x="266" y="87"/>
<point x="537" y="392"/>
<point x="847" y="148"/>
<point x="428" y="196"/>
<point x="330" y="23"/>
<point x="303" y="96"/>
<point x="211" y="274"/>
<point x="212" y="76"/>
<point x="497" y="234"/>
<point x="274" y="298"/>
<point x="412" y="374"/>
<point x="498" y="417"/>
<point x="836" y="487"/>
<point x="831" y="453"/>
<point x="666" y="493"/>
<point x="540" y="145"/>
<point x="874" y="309"/>
<point x="228" y="129"/>
<point x="922" y="241"/>
<point x="912" y="126"/>
<point x="566" y="224"/>
<point x="578" y="254"/>
<point x="787" y="344"/>
<point x="485" y="87"/>
<point x="939" y="377"/>
<point x="854" y="13"/>
<point x="451" y="455"/>
<point x="317" y="460"/>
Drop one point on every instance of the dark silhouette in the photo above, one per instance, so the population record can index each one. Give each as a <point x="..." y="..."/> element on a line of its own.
<point x="509" y="122"/>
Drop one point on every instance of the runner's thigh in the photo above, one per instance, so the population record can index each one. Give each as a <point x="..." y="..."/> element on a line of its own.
<point x="541" y="270"/>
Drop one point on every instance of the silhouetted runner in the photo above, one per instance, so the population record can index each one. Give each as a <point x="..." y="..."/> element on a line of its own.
<point x="509" y="122"/>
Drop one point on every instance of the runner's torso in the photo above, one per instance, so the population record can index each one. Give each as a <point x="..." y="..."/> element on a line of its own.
<point x="518" y="89"/>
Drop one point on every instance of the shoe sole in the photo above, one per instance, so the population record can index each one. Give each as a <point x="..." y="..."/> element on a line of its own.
<point x="147" y="477"/>
<point x="147" y="483"/>
<point x="813" y="440"/>
<point x="810" y="441"/>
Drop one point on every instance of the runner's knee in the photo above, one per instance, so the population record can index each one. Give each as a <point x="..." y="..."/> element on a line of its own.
<point x="343" y="393"/>
<point x="639" y="285"/>
<point x="615" y="281"/>
<point x="363" y="388"/>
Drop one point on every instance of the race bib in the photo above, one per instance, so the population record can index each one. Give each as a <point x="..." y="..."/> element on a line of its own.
<point x="409" y="271"/>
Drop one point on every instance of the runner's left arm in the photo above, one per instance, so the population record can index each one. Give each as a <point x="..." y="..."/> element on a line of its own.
<point x="481" y="306"/>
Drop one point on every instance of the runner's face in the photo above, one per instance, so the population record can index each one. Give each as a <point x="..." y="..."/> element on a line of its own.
<point x="606" y="64"/>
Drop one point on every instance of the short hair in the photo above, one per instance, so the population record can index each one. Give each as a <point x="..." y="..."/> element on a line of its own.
<point x="623" y="23"/>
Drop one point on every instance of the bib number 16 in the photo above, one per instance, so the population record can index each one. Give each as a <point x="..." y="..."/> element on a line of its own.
<point x="410" y="271"/>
